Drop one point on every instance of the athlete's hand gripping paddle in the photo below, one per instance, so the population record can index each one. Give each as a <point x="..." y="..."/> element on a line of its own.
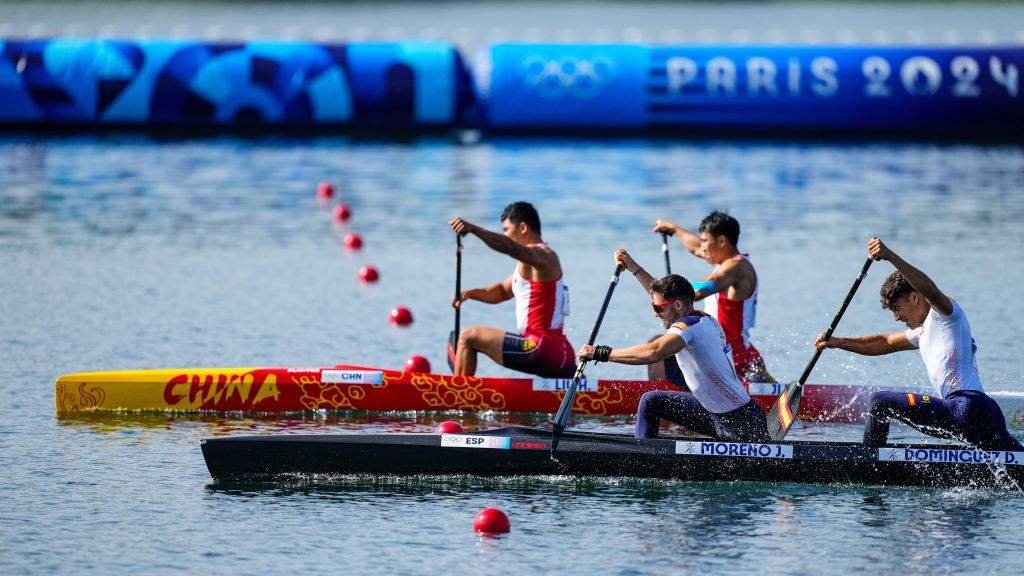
<point x="664" y="249"/>
<point x="453" y="338"/>
<point x="787" y="407"/>
<point x="565" y="408"/>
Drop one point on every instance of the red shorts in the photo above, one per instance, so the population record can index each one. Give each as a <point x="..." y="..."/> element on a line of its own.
<point x="749" y="364"/>
<point x="549" y="356"/>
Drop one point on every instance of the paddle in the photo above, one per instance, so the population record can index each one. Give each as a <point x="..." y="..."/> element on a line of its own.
<point x="664" y="248"/>
<point x="787" y="407"/>
<point x="453" y="338"/>
<point x="670" y="364"/>
<point x="565" y="408"/>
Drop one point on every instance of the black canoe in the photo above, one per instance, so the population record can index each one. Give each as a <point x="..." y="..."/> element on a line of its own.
<point x="522" y="451"/>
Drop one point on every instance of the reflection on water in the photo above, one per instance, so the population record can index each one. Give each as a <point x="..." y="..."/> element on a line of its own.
<point x="339" y="422"/>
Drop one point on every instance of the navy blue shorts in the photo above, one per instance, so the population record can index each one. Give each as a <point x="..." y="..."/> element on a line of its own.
<point x="967" y="416"/>
<point x="550" y="356"/>
<point x="744" y="424"/>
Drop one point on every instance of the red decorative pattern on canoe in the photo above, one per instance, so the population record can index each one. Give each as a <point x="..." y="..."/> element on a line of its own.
<point x="351" y="387"/>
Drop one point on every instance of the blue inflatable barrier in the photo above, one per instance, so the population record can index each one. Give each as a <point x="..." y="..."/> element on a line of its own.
<point x="758" y="88"/>
<point x="400" y="85"/>
<point x="418" y="85"/>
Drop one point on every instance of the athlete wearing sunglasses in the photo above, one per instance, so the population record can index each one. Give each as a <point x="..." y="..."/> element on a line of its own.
<point x="717" y="404"/>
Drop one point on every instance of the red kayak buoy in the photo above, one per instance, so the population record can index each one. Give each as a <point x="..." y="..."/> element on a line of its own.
<point x="342" y="213"/>
<point x="324" y="190"/>
<point x="491" y="521"/>
<point x="449" y="427"/>
<point x="417" y="363"/>
<point x="400" y="316"/>
<point x="353" y="241"/>
<point x="369" y="275"/>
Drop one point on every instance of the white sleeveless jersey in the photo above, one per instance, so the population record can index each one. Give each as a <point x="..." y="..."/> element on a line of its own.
<point x="947" y="349"/>
<point x="706" y="363"/>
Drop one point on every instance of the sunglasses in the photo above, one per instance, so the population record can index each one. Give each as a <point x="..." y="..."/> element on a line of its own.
<point x="659" y="308"/>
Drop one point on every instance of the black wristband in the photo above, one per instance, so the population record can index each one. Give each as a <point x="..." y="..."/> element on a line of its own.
<point x="601" y="353"/>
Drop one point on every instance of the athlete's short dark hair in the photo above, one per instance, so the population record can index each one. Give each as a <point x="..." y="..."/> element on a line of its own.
<point x="719" y="223"/>
<point x="522" y="212"/>
<point x="894" y="288"/>
<point x="674" y="287"/>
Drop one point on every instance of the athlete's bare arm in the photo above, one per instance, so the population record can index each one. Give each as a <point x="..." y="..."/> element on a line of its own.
<point x="734" y="278"/>
<point x="689" y="240"/>
<point x="545" y="261"/>
<point x="640" y="354"/>
<point x="919" y="280"/>
<point x="873" y="345"/>
<point x="622" y="258"/>
<point x="493" y="294"/>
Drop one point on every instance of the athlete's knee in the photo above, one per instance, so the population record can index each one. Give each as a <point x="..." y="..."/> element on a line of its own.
<point x="650" y="402"/>
<point x="880" y="402"/>
<point x="645" y="400"/>
<point x="466" y="337"/>
<point x="471" y="337"/>
<point x="648" y="415"/>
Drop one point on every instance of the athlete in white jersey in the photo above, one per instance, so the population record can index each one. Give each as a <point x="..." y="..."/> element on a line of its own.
<point x="705" y="363"/>
<point x="538" y="346"/>
<point x="938" y="327"/>
<point x="947" y="348"/>
<point x="717" y="404"/>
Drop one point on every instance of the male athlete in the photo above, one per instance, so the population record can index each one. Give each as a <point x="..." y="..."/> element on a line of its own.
<point x="538" y="346"/>
<point x="729" y="292"/>
<point x="717" y="404"/>
<point x="938" y="327"/>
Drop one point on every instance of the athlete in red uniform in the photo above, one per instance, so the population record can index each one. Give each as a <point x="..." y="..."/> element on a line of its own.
<point x="729" y="292"/>
<point x="538" y="346"/>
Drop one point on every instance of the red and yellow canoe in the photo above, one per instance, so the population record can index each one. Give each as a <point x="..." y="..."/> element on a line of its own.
<point x="348" y="387"/>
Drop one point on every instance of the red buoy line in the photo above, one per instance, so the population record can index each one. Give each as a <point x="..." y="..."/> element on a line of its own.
<point x="399" y="316"/>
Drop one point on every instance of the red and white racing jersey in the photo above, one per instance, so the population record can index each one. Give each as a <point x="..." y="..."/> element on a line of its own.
<point x="735" y="316"/>
<point x="541" y="307"/>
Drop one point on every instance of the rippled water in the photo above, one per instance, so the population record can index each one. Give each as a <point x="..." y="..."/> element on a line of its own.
<point x="128" y="251"/>
<point x="475" y="25"/>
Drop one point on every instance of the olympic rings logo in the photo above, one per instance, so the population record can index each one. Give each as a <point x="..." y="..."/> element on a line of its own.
<point x="554" y="79"/>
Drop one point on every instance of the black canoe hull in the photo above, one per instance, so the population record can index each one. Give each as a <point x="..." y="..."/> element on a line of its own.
<point x="520" y="451"/>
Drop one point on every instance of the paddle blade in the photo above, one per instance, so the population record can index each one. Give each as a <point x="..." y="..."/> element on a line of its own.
<point x="556" y="435"/>
<point x="453" y="339"/>
<point x="785" y="411"/>
<point x="565" y="409"/>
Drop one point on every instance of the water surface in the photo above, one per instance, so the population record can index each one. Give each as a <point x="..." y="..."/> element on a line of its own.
<point x="132" y="252"/>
